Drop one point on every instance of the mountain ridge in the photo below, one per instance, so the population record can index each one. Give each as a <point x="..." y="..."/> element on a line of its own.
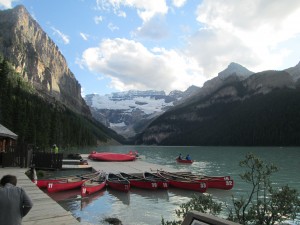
<point x="223" y="110"/>
<point x="38" y="59"/>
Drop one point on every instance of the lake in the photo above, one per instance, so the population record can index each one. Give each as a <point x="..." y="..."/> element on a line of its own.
<point x="143" y="207"/>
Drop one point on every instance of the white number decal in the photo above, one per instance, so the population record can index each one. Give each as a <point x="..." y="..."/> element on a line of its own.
<point x="154" y="185"/>
<point x="84" y="190"/>
<point x="228" y="183"/>
<point x="50" y="185"/>
<point x="165" y="185"/>
<point x="202" y="185"/>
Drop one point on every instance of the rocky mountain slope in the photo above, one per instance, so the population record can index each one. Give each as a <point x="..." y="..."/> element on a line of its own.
<point x="36" y="57"/>
<point x="130" y="112"/>
<point x="256" y="109"/>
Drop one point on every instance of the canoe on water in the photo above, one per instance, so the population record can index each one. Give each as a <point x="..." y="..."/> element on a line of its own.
<point x="140" y="182"/>
<point x="43" y="183"/>
<point x="113" y="157"/>
<point x="162" y="183"/>
<point x="117" y="182"/>
<point x="93" y="185"/>
<point x="66" y="184"/>
<point x="191" y="175"/>
<point x="184" y="183"/>
<point x="69" y="183"/>
<point x="184" y="161"/>
<point x="217" y="182"/>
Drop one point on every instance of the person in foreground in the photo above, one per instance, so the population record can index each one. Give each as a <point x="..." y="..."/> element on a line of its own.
<point x="14" y="202"/>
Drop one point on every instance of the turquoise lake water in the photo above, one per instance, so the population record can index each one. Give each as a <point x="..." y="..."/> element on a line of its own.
<point x="143" y="207"/>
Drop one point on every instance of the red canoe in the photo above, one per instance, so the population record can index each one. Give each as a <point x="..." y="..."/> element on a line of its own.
<point x="183" y="183"/>
<point x="66" y="184"/>
<point x="195" y="176"/>
<point x="110" y="156"/>
<point x="162" y="183"/>
<point x="43" y="183"/>
<point x="117" y="182"/>
<point x="93" y="185"/>
<point x="184" y="161"/>
<point x="211" y="181"/>
<point x="140" y="182"/>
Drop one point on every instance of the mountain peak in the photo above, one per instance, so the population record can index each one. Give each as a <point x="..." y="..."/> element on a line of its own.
<point x="38" y="60"/>
<point x="235" y="68"/>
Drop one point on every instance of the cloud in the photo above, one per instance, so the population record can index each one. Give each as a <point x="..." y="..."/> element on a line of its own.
<point x="252" y="33"/>
<point x="98" y="19"/>
<point x="112" y="27"/>
<point x="130" y="65"/>
<point x="151" y="13"/>
<point x="61" y="35"/>
<point x="155" y="29"/>
<point x="179" y="3"/>
<point x="145" y="9"/>
<point x="84" y="36"/>
<point x="6" y="4"/>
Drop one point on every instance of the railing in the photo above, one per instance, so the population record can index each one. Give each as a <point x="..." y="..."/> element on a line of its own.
<point x="198" y="218"/>
<point x="46" y="160"/>
<point x="14" y="156"/>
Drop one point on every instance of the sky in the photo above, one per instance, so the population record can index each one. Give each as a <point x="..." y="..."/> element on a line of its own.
<point x="165" y="45"/>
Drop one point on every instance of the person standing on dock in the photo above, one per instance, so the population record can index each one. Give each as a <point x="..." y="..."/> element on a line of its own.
<point x="14" y="202"/>
<point x="55" y="149"/>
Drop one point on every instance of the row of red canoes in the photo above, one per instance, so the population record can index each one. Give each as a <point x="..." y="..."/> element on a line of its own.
<point x="91" y="183"/>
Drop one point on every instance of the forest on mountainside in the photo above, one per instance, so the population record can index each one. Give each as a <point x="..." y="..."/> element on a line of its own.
<point x="42" y="123"/>
<point x="271" y="119"/>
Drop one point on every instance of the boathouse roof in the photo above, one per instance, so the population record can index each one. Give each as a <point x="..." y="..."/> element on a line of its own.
<point x="4" y="132"/>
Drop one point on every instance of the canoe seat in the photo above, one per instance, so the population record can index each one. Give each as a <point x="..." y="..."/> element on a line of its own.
<point x="74" y="179"/>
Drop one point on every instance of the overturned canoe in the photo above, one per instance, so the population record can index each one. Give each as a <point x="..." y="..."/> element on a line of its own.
<point x="110" y="156"/>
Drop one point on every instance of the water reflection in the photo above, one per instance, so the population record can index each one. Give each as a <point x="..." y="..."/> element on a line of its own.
<point x="91" y="198"/>
<point x="182" y="192"/>
<point x="153" y="195"/>
<point x="124" y="197"/>
<point x="65" y="195"/>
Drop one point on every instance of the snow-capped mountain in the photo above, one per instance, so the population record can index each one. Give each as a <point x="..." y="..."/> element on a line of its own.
<point x="129" y="112"/>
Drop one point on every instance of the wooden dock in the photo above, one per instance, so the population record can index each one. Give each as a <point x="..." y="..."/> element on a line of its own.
<point x="45" y="210"/>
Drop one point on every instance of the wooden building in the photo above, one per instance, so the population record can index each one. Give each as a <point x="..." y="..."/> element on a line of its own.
<point x="8" y="139"/>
